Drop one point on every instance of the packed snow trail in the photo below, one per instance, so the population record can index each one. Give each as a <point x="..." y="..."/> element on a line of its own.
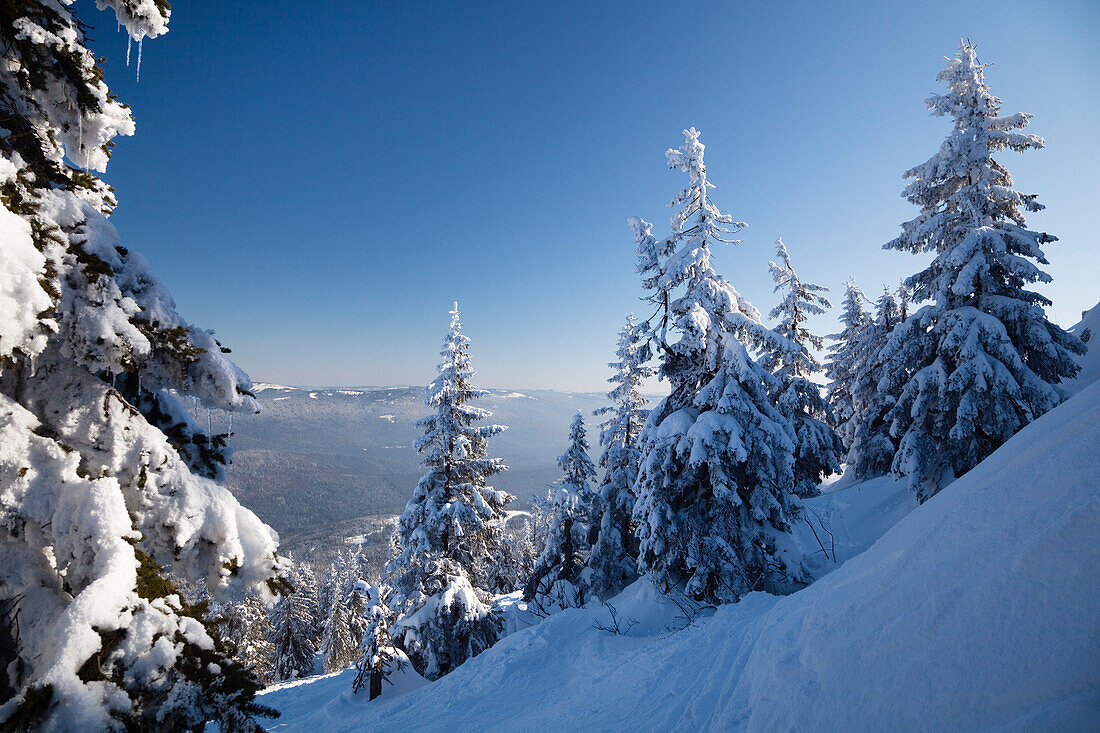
<point x="979" y="609"/>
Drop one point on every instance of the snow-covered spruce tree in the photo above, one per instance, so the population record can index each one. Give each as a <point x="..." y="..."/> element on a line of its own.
<point x="514" y="561"/>
<point x="558" y="576"/>
<point x="715" y="488"/>
<point x="614" y="557"/>
<point x="378" y="657"/>
<point x="292" y="634"/>
<point x="874" y="393"/>
<point x="982" y="360"/>
<point x="841" y="357"/>
<point x="817" y="447"/>
<point x="245" y="629"/>
<point x="449" y="532"/>
<point x="103" y="488"/>
<point x="306" y="587"/>
<point x="338" y="647"/>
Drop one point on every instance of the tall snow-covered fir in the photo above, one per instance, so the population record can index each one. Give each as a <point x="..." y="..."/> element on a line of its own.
<point x="716" y="484"/>
<point x="449" y="532"/>
<point x="105" y="482"/>
<point x="874" y="390"/>
<point x="817" y="447"/>
<point x="614" y="557"/>
<point x="378" y="657"/>
<point x="841" y="354"/>
<point x="292" y="636"/>
<point x="246" y="629"/>
<point x="982" y="360"/>
<point x="560" y="575"/>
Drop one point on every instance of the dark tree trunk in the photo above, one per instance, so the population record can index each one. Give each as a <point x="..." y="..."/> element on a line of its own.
<point x="375" y="683"/>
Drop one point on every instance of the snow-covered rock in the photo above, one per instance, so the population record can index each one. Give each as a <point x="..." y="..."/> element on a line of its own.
<point x="978" y="609"/>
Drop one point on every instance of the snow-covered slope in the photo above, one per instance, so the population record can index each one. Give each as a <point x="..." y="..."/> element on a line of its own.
<point x="979" y="609"/>
<point x="1088" y="328"/>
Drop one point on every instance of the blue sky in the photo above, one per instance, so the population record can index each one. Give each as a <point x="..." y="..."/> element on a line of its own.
<point x="319" y="186"/>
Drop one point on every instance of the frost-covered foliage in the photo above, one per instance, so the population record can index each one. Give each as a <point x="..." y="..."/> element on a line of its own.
<point x="451" y="528"/>
<point x="245" y="629"/>
<point x="982" y="361"/>
<point x="817" y="447"/>
<point x="614" y="557"/>
<point x="560" y="576"/>
<point x="343" y="591"/>
<point x="293" y="631"/>
<point x="841" y="354"/>
<point x="338" y="648"/>
<point x="716" y="479"/>
<point x="874" y="391"/>
<point x="104" y="481"/>
<point x="515" y="558"/>
<point x="378" y="657"/>
<point x="450" y="620"/>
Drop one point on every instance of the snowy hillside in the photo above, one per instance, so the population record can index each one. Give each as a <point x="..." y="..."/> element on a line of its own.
<point x="978" y="609"/>
<point x="1089" y="331"/>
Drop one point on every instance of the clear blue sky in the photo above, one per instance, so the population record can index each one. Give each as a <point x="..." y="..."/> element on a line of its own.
<point x="318" y="186"/>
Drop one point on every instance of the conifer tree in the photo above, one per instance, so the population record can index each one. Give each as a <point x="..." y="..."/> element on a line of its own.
<point x="982" y="361"/>
<point x="572" y="528"/>
<point x="378" y="657"/>
<point x="246" y="629"/>
<point x="357" y="602"/>
<point x="716" y="481"/>
<point x="338" y="647"/>
<point x="614" y="557"/>
<point x="841" y="355"/>
<point x="305" y="582"/>
<point x="515" y="559"/>
<point x="292" y="637"/>
<point x="104" y="480"/>
<point x="874" y="393"/>
<point x="817" y="447"/>
<point x="450" y="529"/>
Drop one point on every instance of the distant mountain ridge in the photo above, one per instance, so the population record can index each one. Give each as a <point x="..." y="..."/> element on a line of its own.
<point x="316" y="458"/>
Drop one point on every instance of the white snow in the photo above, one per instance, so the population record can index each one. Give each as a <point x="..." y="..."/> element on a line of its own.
<point x="978" y="609"/>
<point x="1089" y="328"/>
<point x="261" y="386"/>
<point x="388" y="418"/>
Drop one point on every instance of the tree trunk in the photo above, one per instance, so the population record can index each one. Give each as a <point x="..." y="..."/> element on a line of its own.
<point x="375" y="683"/>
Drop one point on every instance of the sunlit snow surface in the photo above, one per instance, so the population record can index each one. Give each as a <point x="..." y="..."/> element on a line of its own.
<point x="979" y="609"/>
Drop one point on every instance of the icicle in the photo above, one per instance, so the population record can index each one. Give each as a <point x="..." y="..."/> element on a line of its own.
<point x="229" y="433"/>
<point x="139" y="58"/>
<point x="209" y="423"/>
<point x="128" y="39"/>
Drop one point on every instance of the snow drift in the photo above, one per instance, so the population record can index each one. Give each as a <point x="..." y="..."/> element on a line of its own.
<point x="1086" y="330"/>
<point x="979" y="609"/>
